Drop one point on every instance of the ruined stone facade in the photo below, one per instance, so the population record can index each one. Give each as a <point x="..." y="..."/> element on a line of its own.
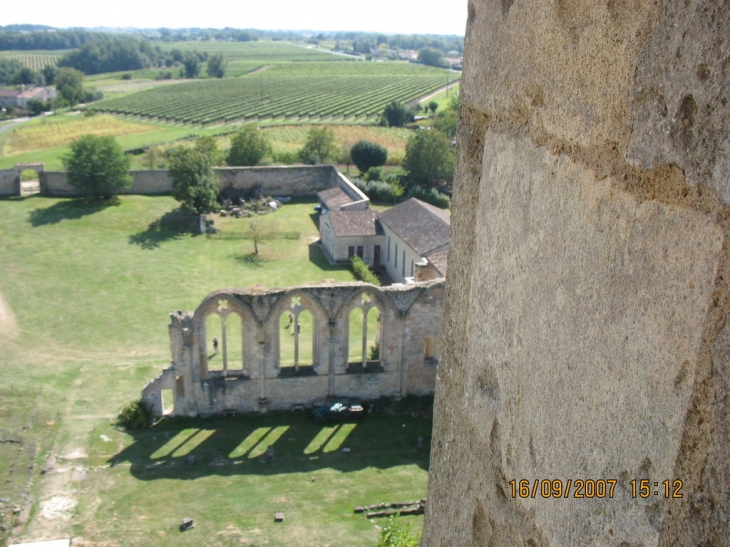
<point x="586" y="333"/>
<point x="265" y="361"/>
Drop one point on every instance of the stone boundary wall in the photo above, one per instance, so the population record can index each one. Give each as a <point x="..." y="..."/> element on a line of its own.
<point x="408" y="333"/>
<point x="302" y="180"/>
<point x="8" y="182"/>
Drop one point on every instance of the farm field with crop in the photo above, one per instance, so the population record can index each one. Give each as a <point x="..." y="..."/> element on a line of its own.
<point x="304" y="92"/>
<point x="35" y="60"/>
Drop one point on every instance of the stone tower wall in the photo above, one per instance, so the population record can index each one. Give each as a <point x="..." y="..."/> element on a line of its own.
<point x="585" y="332"/>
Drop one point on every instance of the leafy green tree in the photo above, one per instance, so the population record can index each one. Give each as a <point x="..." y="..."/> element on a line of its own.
<point x="194" y="184"/>
<point x="9" y="70"/>
<point x="216" y="66"/>
<point x="320" y="146"/>
<point x="248" y="146"/>
<point x="397" y="114"/>
<point x="36" y="107"/>
<point x="49" y="74"/>
<point x="433" y="105"/>
<point x="69" y="86"/>
<point x="261" y="230"/>
<point x="191" y="64"/>
<point x="27" y="76"/>
<point x="97" y="166"/>
<point x="429" y="158"/>
<point x="431" y="56"/>
<point x="366" y="154"/>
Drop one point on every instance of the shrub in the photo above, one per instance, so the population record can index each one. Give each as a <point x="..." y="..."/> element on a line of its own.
<point x="362" y="271"/>
<point x="395" y="534"/>
<point x="430" y="195"/>
<point x="134" y="415"/>
<point x="378" y="190"/>
<point x="366" y="154"/>
<point x="374" y="174"/>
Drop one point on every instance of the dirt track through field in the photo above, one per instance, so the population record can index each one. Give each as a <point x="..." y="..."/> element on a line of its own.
<point x="8" y="326"/>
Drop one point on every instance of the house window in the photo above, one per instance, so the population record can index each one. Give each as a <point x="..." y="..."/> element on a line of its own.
<point x="411" y="267"/>
<point x="388" y="248"/>
<point x="396" y="254"/>
<point x="360" y="252"/>
<point x="350" y="251"/>
<point x="403" y="265"/>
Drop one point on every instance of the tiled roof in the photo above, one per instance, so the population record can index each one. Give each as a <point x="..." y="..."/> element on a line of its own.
<point x="355" y="223"/>
<point x="423" y="226"/>
<point x="440" y="262"/>
<point x="334" y="198"/>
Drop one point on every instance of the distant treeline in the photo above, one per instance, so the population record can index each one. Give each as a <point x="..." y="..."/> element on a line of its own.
<point x="365" y="42"/>
<point x="112" y="54"/>
<point x="25" y="37"/>
<point x="13" y="38"/>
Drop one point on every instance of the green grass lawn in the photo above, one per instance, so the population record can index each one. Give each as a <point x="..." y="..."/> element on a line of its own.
<point x="87" y="290"/>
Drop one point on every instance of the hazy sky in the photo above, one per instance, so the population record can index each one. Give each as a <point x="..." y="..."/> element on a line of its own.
<point x="388" y="16"/>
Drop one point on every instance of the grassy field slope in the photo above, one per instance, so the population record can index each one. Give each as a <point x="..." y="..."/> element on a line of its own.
<point x="86" y="290"/>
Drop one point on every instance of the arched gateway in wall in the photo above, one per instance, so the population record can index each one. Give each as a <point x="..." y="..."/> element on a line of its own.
<point x="248" y="350"/>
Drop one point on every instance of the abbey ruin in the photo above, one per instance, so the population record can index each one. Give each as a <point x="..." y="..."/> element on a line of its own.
<point x="586" y="333"/>
<point x="256" y="349"/>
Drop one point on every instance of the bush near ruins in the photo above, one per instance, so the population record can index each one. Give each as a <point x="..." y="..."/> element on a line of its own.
<point x="97" y="166"/>
<point x="362" y="271"/>
<point x="134" y="415"/>
<point x="396" y="534"/>
<point x="367" y="154"/>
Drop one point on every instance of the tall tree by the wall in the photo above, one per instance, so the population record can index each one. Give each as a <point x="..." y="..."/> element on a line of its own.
<point x="248" y="147"/>
<point x="429" y="158"/>
<point x="69" y="86"/>
<point x="216" y="66"/>
<point x="194" y="183"/>
<point x="320" y="146"/>
<point x="191" y="64"/>
<point x="97" y="167"/>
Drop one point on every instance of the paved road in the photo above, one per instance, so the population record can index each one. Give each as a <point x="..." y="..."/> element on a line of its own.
<point x="12" y="123"/>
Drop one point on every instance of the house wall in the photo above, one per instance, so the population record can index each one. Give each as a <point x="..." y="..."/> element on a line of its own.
<point x="407" y="315"/>
<point x="394" y="265"/>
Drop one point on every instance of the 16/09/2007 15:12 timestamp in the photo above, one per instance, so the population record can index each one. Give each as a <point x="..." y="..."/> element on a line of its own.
<point x="589" y="488"/>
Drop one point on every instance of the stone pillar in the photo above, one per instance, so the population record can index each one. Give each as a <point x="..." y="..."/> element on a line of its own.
<point x="331" y="370"/>
<point x="402" y="358"/>
<point x="586" y="333"/>
<point x="261" y="354"/>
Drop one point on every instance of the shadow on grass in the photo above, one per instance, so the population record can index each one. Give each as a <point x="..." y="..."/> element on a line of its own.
<point x="71" y="209"/>
<point x="190" y="448"/>
<point x="316" y="257"/>
<point x="251" y="260"/>
<point x="315" y="219"/>
<point x="171" y="225"/>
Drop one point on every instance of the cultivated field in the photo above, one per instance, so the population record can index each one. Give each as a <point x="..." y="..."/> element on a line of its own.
<point x="84" y="296"/>
<point x="35" y="60"/>
<point x="304" y="92"/>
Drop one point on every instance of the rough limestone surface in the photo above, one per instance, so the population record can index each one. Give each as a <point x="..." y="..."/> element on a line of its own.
<point x="585" y="331"/>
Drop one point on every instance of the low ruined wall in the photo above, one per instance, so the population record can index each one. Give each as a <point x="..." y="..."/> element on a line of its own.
<point x="271" y="181"/>
<point x="258" y="381"/>
<point x="8" y="184"/>
<point x="587" y="320"/>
